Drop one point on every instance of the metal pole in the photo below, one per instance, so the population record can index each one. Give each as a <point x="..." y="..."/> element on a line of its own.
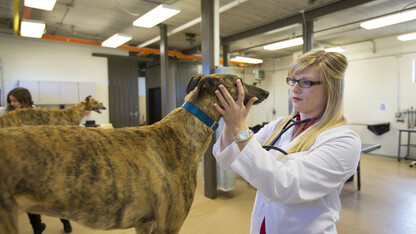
<point x="207" y="28"/>
<point x="208" y="67"/>
<point x="226" y="55"/>
<point x="167" y="83"/>
<point x="307" y="35"/>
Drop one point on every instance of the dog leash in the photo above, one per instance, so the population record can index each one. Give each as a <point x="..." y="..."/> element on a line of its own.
<point x="200" y="115"/>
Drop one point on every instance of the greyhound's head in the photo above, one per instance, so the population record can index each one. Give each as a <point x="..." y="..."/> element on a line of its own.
<point x="92" y="104"/>
<point x="201" y="90"/>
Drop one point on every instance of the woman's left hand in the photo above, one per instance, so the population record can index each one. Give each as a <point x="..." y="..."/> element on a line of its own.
<point x="233" y="112"/>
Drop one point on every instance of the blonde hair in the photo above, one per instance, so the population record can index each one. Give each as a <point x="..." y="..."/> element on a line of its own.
<point x="331" y="67"/>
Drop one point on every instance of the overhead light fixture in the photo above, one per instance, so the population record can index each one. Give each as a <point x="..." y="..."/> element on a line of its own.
<point x="407" y="37"/>
<point x="156" y="15"/>
<point x="246" y="60"/>
<point x="116" y="40"/>
<point x="284" y="44"/>
<point x="335" y="49"/>
<point x="282" y="29"/>
<point x="192" y="22"/>
<point x="389" y="20"/>
<point x="32" y="28"/>
<point x="41" y="4"/>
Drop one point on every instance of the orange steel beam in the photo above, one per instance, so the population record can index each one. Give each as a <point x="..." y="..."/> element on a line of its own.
<point x="144" y="51"/>
<point x="26" y="13"/>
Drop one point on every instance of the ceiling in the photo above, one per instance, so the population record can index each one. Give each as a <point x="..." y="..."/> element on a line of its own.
<point x="246" y="27"/>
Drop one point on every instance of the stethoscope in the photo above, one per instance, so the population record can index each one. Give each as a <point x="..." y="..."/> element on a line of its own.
<point x="292" y="122"/>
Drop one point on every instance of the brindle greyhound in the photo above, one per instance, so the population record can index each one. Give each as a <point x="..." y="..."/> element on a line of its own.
<point x="142" y="177"/>
<point x="39" y="116"/>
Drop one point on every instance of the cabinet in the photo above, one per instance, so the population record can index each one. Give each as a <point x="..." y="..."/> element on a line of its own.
<point x="85" y="89"/>
<point x="48" y="92"/>
<point x="68" y="93"/>
<point x="32" y="86"/>
<point x="58" y="92"/>
<point x="62" y="93"/>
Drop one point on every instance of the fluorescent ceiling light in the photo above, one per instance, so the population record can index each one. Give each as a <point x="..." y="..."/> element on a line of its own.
<point x="246" y="60"/>
<point x="284" y="44"/>
<point x="32" y="28"/>
<point x="156" y="15"/>
<point x="41" y="4"/>
<point x="192" y="22"/>
<point x="116" y="40"/>
<point x="282" y="29"/>
<point x="335" y="49"/>
<point x="407" y="37"/>
<point x="389" y="20"/>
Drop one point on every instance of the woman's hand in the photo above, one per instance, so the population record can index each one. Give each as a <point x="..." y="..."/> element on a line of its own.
<point x="233" y="112"/>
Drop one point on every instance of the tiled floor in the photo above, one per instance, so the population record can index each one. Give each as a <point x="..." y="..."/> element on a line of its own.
<point x="385" y="204"/>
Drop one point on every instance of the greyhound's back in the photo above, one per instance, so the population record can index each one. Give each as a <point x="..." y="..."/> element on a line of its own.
<point x="38" y="116"/>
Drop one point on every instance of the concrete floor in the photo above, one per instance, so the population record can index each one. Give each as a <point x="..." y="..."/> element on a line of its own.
<point x="385" y="204"/>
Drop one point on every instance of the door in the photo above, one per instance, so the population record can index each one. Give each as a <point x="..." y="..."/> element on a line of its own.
<point x="123" y="92"/>
<point x="155" y="105"/>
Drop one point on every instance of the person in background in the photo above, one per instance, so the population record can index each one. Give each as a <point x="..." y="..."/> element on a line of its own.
<point x="20" y="98"/>
<point x="312" y="151"/>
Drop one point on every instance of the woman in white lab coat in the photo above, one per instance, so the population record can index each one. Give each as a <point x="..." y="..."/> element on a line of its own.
<point x="297" y="192"/>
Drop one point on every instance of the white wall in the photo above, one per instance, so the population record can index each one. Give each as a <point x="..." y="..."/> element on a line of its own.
<point x="375" y="75"/>
<point x="45" y="60"/>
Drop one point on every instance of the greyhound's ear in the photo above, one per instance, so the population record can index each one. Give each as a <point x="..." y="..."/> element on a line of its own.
<point x="87" y="99"/>
<point x="208" y="85"/>
<point x="193" y="83"/>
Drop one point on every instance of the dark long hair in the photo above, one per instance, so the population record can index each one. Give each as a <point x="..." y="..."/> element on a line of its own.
<point x="22" y="95"/>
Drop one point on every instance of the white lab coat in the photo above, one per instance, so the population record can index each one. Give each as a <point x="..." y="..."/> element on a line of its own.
<point x="300" y="193"/>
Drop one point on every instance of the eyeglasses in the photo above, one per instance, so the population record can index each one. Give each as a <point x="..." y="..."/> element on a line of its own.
<point x="304" y="83"/>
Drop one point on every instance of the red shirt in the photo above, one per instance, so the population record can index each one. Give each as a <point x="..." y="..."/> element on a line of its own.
<point x="299" y="128"/>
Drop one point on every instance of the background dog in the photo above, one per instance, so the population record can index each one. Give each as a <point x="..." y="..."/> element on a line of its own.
<point x="142" y="177"/>
<point x="39" y="116"/>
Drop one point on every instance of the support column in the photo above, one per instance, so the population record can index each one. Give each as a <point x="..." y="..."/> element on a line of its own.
<point x="226" y="55"/>
<point x="167" y="83"/>
<point x="208" y="36"/>
<point x="307" y="34"/>
<point x="208" y="12"/>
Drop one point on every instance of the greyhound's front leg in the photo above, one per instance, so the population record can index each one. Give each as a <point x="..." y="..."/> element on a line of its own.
<point x="147" y="228"/>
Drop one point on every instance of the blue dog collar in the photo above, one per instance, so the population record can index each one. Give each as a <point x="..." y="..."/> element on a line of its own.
<point x="200" y="115"/>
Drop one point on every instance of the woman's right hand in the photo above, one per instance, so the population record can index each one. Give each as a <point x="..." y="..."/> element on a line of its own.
<point x="233" y="112"/>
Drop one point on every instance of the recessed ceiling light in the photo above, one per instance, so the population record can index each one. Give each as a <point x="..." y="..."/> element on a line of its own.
<point x="407" y="37"/>
<point x="156" y="15"/>
<point x="41" y="4"/>
<point x="389" y="20"/>
<point x="246" y="60"/>
<point x="335" y="49"/>
<point x="284" y="44"/>
<point x="32" y="28"/>
<point x="116" y="40"/>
